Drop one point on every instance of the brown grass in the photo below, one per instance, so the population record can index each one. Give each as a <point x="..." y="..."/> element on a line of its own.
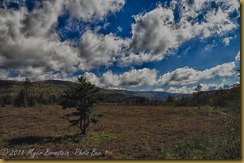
<point x="123" y="132"/>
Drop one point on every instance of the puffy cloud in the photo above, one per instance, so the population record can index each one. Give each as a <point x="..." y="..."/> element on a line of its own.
<point x="100" y="50"/>
<point x="91" y="10"/>
<point x="92" y="78"/>
<point x="237" y="63"/>
<point x="37" y="23"/>
<point x="209" y="87"/>
<point x="20" y="51"/>
<point x="205" y="87"/>
<point x="210" y="46"/>
<point x="28" y="52"/>
<point x="3" y="74"/>
<point x="225" y="69"/>
<point x="237" y="58"/>
<point x="156" y="32"/>
<point x="183" y="89"/>
<point x="186" y="75"/>
<point x="137" y="59"/>
<point x="30" y="46"/>
<point x="152" y="31"/>
<point x="110" y="80"/>
<point x="143" y="77"/>
<point x="120" y="29"/>
<point x="159" y="89"/>
<point x="204" y="20"/>
<point x="180" y="76"/>
<point x="132" y="78"/>
<point x="5" y="3"/>
<point x="139" y="77"/>
<point x="226" y="40"/>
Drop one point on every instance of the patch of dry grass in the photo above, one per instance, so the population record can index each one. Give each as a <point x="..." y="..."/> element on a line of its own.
<point x="127" y="132"/>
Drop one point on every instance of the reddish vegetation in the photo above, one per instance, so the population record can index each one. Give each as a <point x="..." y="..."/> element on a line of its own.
<point x="126" y="132"/>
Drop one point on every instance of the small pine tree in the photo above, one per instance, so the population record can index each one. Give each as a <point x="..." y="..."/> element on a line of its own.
<point x="20" y="100"/>
<point x="8" y="99"/>
<point x="83" y="96"/>
<point x="50" y="100"/>
<point x="40" y="99"/>
<point x="198" y="89"/>
<point x="170" y="99"/>
<point x="32" y="101"/>
<point x="1" y="102"/>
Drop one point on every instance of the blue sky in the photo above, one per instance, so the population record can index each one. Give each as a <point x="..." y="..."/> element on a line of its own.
<point x="149" y="45"/>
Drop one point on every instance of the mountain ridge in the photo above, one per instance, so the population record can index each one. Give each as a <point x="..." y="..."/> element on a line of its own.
<point x="58" y="86"/>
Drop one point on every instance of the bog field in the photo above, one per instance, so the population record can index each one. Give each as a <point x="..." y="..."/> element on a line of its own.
<point x="121" y="132"/>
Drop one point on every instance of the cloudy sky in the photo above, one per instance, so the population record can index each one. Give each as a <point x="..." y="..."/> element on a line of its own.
<point x="122" y="44"/>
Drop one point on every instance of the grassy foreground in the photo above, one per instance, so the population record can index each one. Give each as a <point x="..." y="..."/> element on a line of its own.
<point x="123" y="132"/>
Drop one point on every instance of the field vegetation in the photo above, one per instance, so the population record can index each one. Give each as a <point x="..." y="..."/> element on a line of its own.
<point x="132" y="132"/>
<point x="204" y="125"/>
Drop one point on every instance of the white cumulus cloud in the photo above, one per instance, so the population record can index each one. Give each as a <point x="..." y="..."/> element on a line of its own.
<point x="30" y="46"/>
<point x="237" y="58"/>
<point x="134" y="77"/>
<point x="99" y="50"/>
<point x="156" y="32"/>
<point x="91" y="10"/>
<point x="183" y="89"/>
<point x="186" y="75"/>
<point x="226" y="40"/>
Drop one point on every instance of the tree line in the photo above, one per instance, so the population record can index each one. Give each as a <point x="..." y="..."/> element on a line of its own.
<point x="26" y="98"/>
<point x="216" y="98"/>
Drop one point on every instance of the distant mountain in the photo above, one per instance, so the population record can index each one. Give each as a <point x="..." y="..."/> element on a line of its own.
<point x="47" y="87"/>
<point x="54" y="82"/>
<point x="150" y="94"/>
<point x="58" y="86"/>
<point x="51" y="90"/>
<point x="54" y="88"/>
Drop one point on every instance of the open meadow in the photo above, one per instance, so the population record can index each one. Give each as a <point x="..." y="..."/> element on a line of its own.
<point x="121" y="132"/>
<point x="120" y="79"/>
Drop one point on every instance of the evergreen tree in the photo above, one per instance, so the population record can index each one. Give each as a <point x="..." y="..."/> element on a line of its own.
<point x="1" y="102"/>
<point x="198" y="89"/>
<point x="27" y="84"/>
<point x="41" y="99"/>
<point x="32" y="101"/>
<point x="83" y="96"/>
<point x="50" y="99"/>
<point x="8" y="99"/>
<point x="20" y="100"/>
<point x="170" y="99"/>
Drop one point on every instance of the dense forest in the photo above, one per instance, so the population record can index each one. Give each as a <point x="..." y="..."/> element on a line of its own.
<point x="26" y="93"/>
